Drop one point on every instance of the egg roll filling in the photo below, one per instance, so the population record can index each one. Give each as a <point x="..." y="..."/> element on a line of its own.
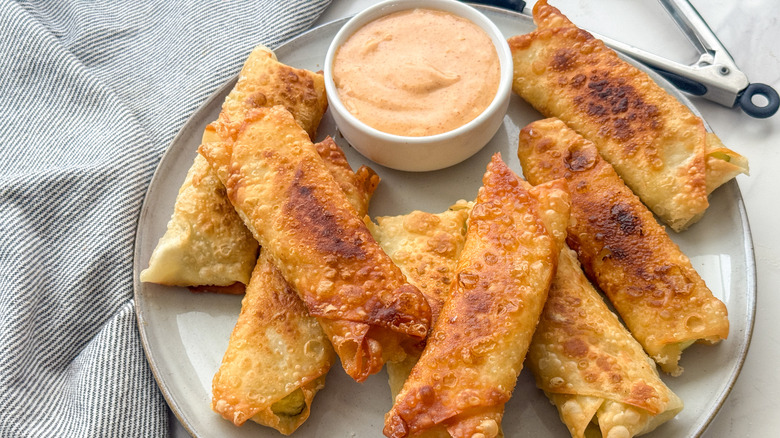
<point x="291" y="405"/>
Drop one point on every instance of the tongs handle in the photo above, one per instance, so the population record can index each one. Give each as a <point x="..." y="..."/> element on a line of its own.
<point x="715" y="57"/>
<point x="744" y="98"/>
<point x="715" y="76"/>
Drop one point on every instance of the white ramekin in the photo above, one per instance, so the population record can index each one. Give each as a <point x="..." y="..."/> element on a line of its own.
<point x="429" y="152"/>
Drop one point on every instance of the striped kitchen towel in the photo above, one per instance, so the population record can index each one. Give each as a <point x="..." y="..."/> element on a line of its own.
<point x="91" y="94"/>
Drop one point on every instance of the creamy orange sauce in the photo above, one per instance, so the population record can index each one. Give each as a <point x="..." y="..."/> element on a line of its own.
<point x="417" y="72"/>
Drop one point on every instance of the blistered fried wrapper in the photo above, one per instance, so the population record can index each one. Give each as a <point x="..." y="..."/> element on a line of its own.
<point x="590" y="367"/>
<point x="475" y="351"/>
<point x="426" y="246"/>
<point x="298" y="213"/>
<point x="206" y="243"/>
<point x="656" y="144"/>
<point x="653" y="286"/>
<point x="277" y="357"/>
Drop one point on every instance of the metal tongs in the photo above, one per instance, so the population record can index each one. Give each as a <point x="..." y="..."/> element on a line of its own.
<point x="715" y="76"/>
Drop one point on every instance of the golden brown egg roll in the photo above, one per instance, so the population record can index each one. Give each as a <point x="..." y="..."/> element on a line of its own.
<point x="264" y="82"/>
<point x="207" y="248"/>
<point x="655" y="143"/>
<point x="206" y="243"/>
<point x="475" y="352"/>
<point x="277" y="357"/>
<point x="426" y="247"/>
<point x="650" y="282"/>
<point x="297" y="212"/>
<point x="590" y="367"/>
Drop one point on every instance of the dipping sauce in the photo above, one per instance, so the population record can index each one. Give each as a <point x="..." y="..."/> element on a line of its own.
<point x="417" y="72"/>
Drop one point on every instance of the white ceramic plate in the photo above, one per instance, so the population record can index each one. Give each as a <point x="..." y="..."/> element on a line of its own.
<point x="185" y="334"/>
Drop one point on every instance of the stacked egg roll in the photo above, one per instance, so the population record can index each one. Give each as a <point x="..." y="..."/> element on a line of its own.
<point x="304" y="222"/>
<point x="207" y="247"/>
<point x="590" y="367"/>
<point x="650" y="282"/>
<point x="655" y="143"/>
<point x="278" y="355"/>
<point x="475" y="351"/>
<point x="206" y="243"/>
<point x="426" y="247"/>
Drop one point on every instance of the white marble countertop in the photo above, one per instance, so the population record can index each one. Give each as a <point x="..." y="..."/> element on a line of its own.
<point x="750" y="30"/>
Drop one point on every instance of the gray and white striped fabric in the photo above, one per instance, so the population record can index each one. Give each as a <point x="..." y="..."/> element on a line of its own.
<point x="91" y="94"/>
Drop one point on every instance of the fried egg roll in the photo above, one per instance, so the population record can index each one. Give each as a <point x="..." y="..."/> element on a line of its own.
<point x="206" y="243"/>
<point x="475" y="352"/>
<point x="426" y="247"/>
<point x="297" y="212"/>
<point x="277" y="357"/>
<point x="206" y="246"/>
<point x="590" y="367"/>
<point x="650" y="282"/>
<point x="655" y="143"/>
<point x="265" y="82"/>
